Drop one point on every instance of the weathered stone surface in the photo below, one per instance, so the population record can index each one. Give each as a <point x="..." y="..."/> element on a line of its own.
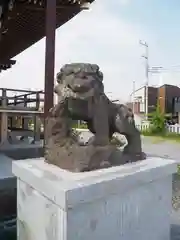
<point x="81" y="96"/>
<point x="127" y="202"/>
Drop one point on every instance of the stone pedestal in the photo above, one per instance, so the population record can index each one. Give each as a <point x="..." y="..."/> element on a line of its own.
<point x="126" y="202"/>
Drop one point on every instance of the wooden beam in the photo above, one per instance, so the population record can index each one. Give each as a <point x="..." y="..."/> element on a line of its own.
<point x="21" y="90"/>
<point x="49" y="55"/>
<point x="4" y="122"/>
<point x="58" y="7"/>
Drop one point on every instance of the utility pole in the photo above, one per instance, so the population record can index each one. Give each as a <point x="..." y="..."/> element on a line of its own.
<point x="146" y="57"/>
<point x="133" y="97"/>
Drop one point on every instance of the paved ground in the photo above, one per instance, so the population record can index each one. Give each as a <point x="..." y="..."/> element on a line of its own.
<point x="165" y="149"/>
<point x="154" y="147"/>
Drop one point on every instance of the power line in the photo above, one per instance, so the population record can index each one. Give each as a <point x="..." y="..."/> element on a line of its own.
<point x="163" y="69"/>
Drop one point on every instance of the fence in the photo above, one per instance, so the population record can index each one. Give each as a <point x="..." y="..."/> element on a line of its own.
<point x="145" y="126"/>
<point x="170" y="128"/>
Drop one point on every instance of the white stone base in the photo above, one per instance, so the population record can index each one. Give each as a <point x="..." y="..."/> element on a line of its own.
<point x="130" y="202"/>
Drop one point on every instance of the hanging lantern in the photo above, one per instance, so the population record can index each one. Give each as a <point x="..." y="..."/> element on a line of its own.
<point x="11" y="5"/>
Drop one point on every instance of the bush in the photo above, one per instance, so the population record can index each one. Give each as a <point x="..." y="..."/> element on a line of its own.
<point x="157" y="122"/>
<point x="158" y="127"/>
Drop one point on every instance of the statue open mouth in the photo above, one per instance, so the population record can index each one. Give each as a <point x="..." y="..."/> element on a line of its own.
<point x="81" y="96"/>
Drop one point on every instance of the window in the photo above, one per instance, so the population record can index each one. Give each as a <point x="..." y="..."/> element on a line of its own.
<point x="139" y="99"/>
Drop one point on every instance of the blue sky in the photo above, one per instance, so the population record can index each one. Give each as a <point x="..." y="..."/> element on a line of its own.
<point x="108" y="34"/>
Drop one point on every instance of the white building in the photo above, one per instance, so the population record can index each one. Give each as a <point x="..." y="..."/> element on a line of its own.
<point x="139" y="99"/>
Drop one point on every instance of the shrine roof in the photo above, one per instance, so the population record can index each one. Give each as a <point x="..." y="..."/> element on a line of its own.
<point x="6" y="65"/>
<point x="23" y="23"/>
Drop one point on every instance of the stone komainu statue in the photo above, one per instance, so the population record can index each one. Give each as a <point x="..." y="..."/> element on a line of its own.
<point x="81" y="96"/>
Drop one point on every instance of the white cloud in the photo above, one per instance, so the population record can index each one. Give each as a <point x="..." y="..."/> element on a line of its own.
<point x="96" y="36"/>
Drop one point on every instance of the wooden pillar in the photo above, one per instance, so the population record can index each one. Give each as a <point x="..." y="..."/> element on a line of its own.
<point x="4" y="119"/>
<point x="37" y="128"/>
<point x="49" y="59"/>
<point x="25" y="119"/>
<point x="49" y="55"/>
<point x="37" y="121"/>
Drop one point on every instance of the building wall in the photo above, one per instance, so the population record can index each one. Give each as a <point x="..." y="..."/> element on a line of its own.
<point x="140" y="99"/>
<point x="177" y="104"/>
<point x="166" y="97"/>
<point x="152" y="99"/>
<point x="139" y="96"/>
<point x="161" y="98"/>
<point x="136" y="107"/>
<point x="171" y="93"/>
